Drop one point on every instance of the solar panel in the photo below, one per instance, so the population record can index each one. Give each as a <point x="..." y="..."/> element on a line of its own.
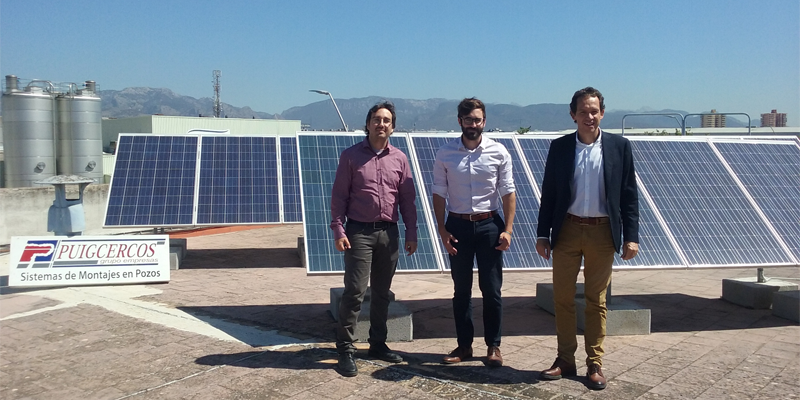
<point x="238" y="181"/>
<point x="153" y="182"/>
<point x="655" y="248"/>
<point x="535" y="151"/>
<point x="318" y="159"/>
<point x="522" y="254"/>
<point x="425" y="148"/>
<point x="771" y="174"/>
<point x="706" y="211"/>
<point x="290" y="181"/>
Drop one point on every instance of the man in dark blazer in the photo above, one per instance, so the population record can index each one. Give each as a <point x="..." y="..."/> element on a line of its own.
<point x="589" y="211"/>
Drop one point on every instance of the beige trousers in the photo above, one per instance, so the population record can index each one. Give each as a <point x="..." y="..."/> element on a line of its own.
<point x="594" y="245"/>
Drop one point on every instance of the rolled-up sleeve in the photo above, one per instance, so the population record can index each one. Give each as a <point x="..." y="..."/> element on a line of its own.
<point x="439" y="186"/>
<point x="340" y="197"/>
<point x="505" y="176"/>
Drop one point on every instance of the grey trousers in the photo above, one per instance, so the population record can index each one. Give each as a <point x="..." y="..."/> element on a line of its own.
<point x="371" y="260"/>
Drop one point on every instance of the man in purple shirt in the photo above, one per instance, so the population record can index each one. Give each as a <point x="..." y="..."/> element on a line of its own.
<point x="372" y="181"/>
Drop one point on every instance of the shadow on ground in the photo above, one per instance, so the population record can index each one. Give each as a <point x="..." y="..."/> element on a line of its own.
<point x="241" y="258"/>
<point x="521" y="317"/>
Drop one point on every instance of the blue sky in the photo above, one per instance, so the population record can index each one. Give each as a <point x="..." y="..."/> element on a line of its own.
<point x="730" y="55"/>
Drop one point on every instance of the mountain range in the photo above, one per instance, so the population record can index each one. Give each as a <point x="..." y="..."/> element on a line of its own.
<point x="412" y="115"/>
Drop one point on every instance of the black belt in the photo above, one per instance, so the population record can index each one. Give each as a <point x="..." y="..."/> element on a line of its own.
<point x="587" y="220"/>
<point x="377" y="225"/>
<point x="474" y="217"/>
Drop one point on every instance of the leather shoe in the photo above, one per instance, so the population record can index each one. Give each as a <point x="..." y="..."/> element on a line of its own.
<point x="346" y="365"/>
<point x="458" y="355"/>
<point x="559" y="369"/>
<point x="382" y="352"/>
<point x="596" y="379"/>
<point x="493" y="357"/>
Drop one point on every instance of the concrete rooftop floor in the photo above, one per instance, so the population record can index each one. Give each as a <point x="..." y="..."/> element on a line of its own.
<point x="241" y="319"/>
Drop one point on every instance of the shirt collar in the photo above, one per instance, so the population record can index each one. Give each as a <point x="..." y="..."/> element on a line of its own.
<point x="485" y="141"/>
<point x="365" y="144"/>
<point x="596" y="142"/>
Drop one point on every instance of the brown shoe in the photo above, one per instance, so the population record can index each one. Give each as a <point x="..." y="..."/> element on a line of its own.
<point x="458" y="355"/>
<point x="596" y="379"/>
<point x="493" y="357"/>
<point x="560" y="368"/>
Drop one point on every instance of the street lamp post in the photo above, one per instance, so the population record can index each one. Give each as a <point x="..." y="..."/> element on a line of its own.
<point x="327" y="93"/>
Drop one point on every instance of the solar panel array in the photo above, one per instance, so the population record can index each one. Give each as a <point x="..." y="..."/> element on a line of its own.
<point x="704" y="202"/>
<point x="188" y="180"/>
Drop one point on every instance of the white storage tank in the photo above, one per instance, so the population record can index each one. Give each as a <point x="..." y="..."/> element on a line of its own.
<point x="28" y="132"/>
<point x="80" y="133"/>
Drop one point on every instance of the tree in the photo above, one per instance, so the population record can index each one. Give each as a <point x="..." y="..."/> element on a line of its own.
<point x="522" y="131"/>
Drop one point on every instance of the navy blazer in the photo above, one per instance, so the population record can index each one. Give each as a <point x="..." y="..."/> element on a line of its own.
<point x="622" y="196"/>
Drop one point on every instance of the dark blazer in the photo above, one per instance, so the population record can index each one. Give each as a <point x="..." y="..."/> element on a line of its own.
<point x="622" y="196"/>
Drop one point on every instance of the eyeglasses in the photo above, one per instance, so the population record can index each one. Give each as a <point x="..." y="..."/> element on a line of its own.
<point x="470" y="121"/>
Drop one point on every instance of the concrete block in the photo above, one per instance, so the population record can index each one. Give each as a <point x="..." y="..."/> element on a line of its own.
<point x="786" y="304"/>
<point x="400" y="323"/>
<point x="336" y="298"/>
<point x="748" y="292"/>
<point x="174" y="261"/>
<point x="178" y="246"/>
<point x="301" y="250"/>
<point x="624" y="317"/>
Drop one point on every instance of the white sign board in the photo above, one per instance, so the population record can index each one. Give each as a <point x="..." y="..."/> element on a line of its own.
<point x="88" y="260"/>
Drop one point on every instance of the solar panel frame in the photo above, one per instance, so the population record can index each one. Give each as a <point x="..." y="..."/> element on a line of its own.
<point x="769" y="172"/>
<point x="656" y="247"/>
<point x="292" y="210"/>
<point x="238" y="181"/>
<point x="698" y="203"/>
<point x="317" y="173"/>
<point x="171" y="194"/>
<point x="425" y="147"/>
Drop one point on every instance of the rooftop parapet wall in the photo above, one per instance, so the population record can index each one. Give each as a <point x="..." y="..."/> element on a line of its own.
<point x="23" y="211"/>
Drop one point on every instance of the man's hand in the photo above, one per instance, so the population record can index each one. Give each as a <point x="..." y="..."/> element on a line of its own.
<point x="448" y="241"/>
<point x="342" y="244"/>
<point x="411" y="247"/>
<point x="505" y="241"/>
<point x="629" y="250"/>
<point x="543" y="248"/>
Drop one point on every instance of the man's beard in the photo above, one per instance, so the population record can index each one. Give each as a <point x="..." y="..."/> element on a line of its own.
<point x="471" y="133"/>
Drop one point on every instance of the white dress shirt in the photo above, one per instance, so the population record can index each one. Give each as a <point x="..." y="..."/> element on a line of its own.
<point x="472" y="181"/>
<point x="588" y="181"/>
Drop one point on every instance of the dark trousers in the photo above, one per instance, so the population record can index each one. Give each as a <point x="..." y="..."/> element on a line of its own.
<point x="476" y="243"/>
<point x="371" y="259"/>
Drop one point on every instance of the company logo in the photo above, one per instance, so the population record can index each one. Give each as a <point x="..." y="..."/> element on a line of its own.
<point x="38" y="253"/>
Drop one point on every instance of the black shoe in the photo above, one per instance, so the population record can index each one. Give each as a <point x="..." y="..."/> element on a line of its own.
<point x="382" y="352"/>
<point x="346" y="365"/>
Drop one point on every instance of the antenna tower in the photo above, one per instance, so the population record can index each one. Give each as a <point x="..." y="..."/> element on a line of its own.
<point x="217" y="102"/>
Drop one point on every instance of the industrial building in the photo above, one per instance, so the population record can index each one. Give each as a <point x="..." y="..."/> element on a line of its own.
<point x="51" y="129"/>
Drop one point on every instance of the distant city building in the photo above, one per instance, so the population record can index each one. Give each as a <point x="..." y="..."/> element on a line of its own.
<point x="713" y="120"/>
<point x="773" y="119"/>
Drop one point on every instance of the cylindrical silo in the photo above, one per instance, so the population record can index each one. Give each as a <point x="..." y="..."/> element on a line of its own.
<point x="80" y="133"/>
<point x="28" y="132"/>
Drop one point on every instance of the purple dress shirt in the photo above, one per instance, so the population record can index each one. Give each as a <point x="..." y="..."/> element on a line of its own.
<point x="370" y="187"/>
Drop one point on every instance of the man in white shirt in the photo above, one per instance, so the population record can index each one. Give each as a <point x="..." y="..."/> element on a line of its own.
<point x="589" y="210"/>
<point x="471" y="175"/>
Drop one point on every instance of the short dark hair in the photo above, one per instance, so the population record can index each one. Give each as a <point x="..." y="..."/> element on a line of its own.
<point x="384" y="104"/>
<point x="467" y="105"/>
<point x="587" y="91"/>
